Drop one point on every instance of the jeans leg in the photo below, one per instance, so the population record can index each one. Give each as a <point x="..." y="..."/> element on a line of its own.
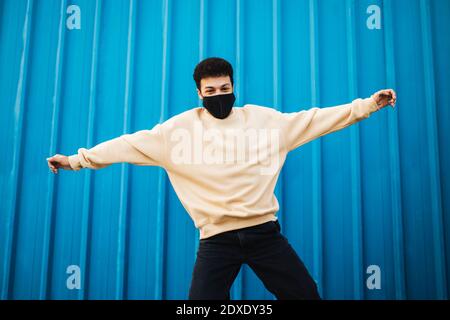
<point x="217" y="264"/>
<point x="279" y="267"/>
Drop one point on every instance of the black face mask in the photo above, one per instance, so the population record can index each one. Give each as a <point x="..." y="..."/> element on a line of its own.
<point x="220" y="105"/>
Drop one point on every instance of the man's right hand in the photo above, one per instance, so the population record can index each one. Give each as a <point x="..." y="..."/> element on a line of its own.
<point x="58" y="161"/>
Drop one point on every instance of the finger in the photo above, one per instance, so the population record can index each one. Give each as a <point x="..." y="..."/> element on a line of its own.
<point x="392" y="93"/>
<point x="385" y="93"/>
<point x="53" y="160"/>
<point x="50" y="165"/>
<point x="54" y="165"/>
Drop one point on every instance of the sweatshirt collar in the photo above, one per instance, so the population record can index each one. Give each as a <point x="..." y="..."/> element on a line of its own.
<point x="231" y="117"/>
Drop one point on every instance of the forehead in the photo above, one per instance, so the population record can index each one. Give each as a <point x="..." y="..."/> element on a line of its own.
<point x="215" y="82"/>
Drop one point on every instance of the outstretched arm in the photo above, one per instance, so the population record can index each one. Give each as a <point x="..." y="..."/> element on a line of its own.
<point x="144" y="147"/>
<point x="301" y="127"/>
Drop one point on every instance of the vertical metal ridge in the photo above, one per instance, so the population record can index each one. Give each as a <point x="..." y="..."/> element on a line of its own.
<point x="202" y="49"/>
<point x="237" y="289"/>
<point x="162" y="180"/>
<point x="49" y="201"/>
<point x="355" y="153"/>
<point x="19" y="107"/>
<point x="125" y="172"/>
<point x="433" y="152"/>
<point x="276" y="71"/>
<point x="276" y="48"/>
<point x="276" y="52"/>
<point x="394" y="160"/>
<point x="202" y="45"/>
<point x="276" y="83"/>
<point x="316" y="152"/>
<point x="87" y="183"/>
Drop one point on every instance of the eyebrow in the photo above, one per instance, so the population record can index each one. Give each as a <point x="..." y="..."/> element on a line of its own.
<point x="209" y="87"/>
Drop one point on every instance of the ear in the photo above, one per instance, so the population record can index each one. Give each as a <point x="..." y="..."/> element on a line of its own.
<point x="199" y="94"/>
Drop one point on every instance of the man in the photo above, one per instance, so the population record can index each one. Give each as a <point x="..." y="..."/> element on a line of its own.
<point x="223" y="163"/>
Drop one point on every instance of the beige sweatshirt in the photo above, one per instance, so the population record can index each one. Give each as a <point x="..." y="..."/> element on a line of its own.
<point x="224" y="171"/>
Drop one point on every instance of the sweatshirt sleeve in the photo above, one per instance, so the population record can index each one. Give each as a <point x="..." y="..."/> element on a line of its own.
<point x="301" y="127"/>
<point x="144" y="148"/>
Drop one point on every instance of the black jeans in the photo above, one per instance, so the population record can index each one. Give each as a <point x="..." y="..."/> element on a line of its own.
<point x="266" y="251"/>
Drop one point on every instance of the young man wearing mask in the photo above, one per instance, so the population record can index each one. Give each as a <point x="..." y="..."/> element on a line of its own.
<point x="223" y="162"/>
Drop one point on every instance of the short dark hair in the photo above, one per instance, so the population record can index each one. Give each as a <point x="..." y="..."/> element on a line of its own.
<point x="212" y="67"/>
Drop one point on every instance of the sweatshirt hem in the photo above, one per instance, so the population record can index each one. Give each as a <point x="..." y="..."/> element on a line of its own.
<point x="210" y="230"/>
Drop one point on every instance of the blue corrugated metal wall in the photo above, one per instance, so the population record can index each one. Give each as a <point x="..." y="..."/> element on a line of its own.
<point x="75" y="73"/>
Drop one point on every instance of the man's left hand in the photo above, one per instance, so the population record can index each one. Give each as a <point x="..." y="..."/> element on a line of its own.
<point x="385" y="97"/>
